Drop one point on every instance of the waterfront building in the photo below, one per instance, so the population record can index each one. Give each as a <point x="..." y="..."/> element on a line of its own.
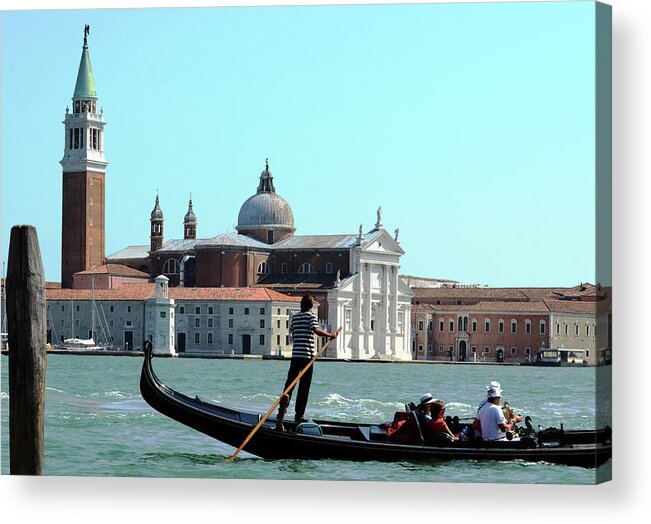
<point x="198" y="321"/>
<point x="511" y="324"/>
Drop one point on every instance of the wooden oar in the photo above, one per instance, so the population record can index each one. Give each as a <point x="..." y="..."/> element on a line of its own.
<point x="275" y="404"/>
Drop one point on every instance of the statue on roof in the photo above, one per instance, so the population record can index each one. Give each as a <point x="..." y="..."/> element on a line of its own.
<point x="86" y="31"/>
<point x="378" y="224"/>
<point x="396" y="233"/>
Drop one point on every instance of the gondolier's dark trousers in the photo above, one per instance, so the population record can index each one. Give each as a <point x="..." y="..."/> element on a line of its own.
<point x="297" y="364"/>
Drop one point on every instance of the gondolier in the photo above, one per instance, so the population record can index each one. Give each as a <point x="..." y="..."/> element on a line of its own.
<point x="303" y="327"/>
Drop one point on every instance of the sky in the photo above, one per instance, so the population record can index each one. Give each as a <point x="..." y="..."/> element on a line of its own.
<point x="472" y="125"/>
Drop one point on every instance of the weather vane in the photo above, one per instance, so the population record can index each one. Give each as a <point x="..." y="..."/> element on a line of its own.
<point x="86" y="31"/>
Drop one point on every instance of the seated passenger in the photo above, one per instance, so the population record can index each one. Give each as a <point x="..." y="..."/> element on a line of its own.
<point x="475" y="423"/>
<point x="493" y="424"/>
<point x="424" y="409"/>
<point x="438" y="424"/>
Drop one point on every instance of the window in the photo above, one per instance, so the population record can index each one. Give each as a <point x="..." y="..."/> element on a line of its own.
<point x="162" y="314"/>
<point x="128" y="309"/>
<point x="210" y="322"/>
<point x="77" y="322"/>
<point x="230" y="310"/>
<point x="111" y="309"/>
<point x="429" y="349"/>
<point x="473" y="349"/>
<point x="246" y="310"/>
<point x="438" y="302"/>
<point x="197" y="322"/>
<point x="458" y="302"/>
<point x="514" y="326"/>
<point x="262" y="311"/>
<point x="558" y="328"/>
<point x="262" y="340"/>
<point x="514" y="351"/>
<point x="197" y="310"/>
<point x="63" y="323"/>
<point x="210" y="310"/>
<point x="420" y="348"/>
<point x="576" y="329"/>
<point x="527" y="327"/>
<point x="487" y="349"/>
<point x="262" y="323"/>
<point x="278" y="340"/>
<point x="77" y="307"/>
<point x="587" y="330"/>
<point x="306" y="268"/>
<point x="287" y="340"/>
<point x="209" y="338"/>
<point x="181" y="310"/>
<point x="527" y="351"/>
<point x="278" y="324"/>
<point x="329" y="268"/>
<point x="429" y="326"/>
<point x="197" y="338"/>
<point x="230" y="338"/>
<point x="441" y="324"/>
<point x="542" y="327"/>
<point x="171" y="267"/>
<point x="487" y="326"/>
<point x="420" y="325"/>
<point x="451" y="326"/>
<point x="230" y="322"/>
<point x="441" y="349"/>
<point x="500" y="326"/>
<point x="283" y="267"/>
<point x="587" y="353"/>
<point x="567" y="329"/>
<point x="129" y="324"/>
<point x="263" y="269"/>
<point x="474" y="325"/>
<point x="63" y="308"/>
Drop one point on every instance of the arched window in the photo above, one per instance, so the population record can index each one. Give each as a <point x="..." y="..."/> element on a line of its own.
<point x="263" y="269"/>
<point x="306" y="268"/>
<point x="171" y="267"/>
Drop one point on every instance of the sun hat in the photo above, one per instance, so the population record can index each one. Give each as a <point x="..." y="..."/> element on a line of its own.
<point x="494" y="384"/>
<point x="427" y="398"/>
<point x="494" y="393"/>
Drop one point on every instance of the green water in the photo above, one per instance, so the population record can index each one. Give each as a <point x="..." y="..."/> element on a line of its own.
<point x="97" y="424"/>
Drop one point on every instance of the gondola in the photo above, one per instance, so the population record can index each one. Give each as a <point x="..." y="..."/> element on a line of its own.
<point x="360" y="442"/>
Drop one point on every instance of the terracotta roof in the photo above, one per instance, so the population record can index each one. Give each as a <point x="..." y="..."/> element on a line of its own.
<point x="114" y="269"/>
<point x="488" y="307"/>
<point x="140" y="292"/>
<point x="470" y="293"/>
<point x="295" y="281"/>
<point x="576" y="306"/>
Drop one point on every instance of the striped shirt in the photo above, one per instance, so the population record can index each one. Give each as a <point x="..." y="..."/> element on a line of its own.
<point x="302" y="330"/>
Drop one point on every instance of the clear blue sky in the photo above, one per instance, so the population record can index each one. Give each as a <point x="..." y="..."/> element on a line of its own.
<point x="472" y="125"/>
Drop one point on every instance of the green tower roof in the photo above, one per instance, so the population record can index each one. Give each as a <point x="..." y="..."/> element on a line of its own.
<point x="85" y="86"/>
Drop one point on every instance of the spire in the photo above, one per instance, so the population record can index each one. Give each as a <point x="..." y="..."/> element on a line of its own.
<point x="85" y="86"/>
<point x="190" y="217"/>
<point x="157" y="212"/>
<point x="190" y="223"/>
<point x="266" y="180"/>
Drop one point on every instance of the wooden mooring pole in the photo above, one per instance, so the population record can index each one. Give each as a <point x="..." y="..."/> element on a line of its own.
<point x="26" y="322"/>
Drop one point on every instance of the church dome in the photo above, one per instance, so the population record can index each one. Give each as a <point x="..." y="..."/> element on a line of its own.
<point x="265" y="209"/>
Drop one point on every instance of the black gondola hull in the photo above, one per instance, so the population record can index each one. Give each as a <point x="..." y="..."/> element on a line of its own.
<point x="347" y="441"/>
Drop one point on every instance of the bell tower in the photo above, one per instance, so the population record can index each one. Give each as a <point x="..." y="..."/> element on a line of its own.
<point x="84" y="169"/>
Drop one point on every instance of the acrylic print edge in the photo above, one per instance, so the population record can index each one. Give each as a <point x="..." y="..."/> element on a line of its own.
<point x="603" y="206"/>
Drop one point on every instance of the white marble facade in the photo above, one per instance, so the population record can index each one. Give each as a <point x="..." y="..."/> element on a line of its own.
<point x="372" y="305"/>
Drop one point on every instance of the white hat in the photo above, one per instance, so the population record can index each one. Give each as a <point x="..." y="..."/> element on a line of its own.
<point x="427" y="398"/>
<point x="494" y="393"/>
<point x="494" y="384"/>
